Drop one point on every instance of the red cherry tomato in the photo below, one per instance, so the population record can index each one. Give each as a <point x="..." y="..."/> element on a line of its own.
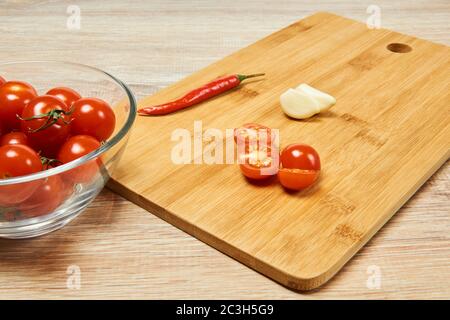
<point x="259" y="164"/>
<point x="94" y="117"/>
<point x="46" y="123"/>
<point x="76" y="147"/>
<point x="45" y="199"/>
<point x="300" y="166"/>
<point x="16" y="161"/>
<point x="253" y="134"/>
<point x="2" y="80"/>
<point x="68" y="95"/>
<point x="14" y="96"/>
<point x="300" y="156"/>
<point x="14" y="138"/>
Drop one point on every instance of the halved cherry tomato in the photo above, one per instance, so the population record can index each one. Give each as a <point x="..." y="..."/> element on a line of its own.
<point x="68" y="95"/>
<point x="2" y="80"/>
<point x="76" y="147"/>
<point x="300" y="166"/>
<point x="297" y="179"/>
<point x="94" y="117"/>
<point x="46" y="122"/>
<point x="259" y="164"/>
<point x="15" y="161"/>
<point x="253" y="134"/>
<point x="46" y="198"/>
<point x="14" y="96"/>
<point x="14" y="138"/>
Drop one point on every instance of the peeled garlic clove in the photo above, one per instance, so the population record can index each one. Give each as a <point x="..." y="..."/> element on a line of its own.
<point x="324" y="100"/>
<point x="298" y="105"/>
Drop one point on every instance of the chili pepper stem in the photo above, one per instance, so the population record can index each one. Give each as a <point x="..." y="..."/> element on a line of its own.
<point x="243" y="77"/>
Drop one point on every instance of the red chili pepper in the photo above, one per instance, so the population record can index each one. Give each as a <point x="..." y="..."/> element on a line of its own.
<point x="196" y="96"/>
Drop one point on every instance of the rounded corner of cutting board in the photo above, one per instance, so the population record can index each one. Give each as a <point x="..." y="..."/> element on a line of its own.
<point x="303" y="282"/>
<point x="299" y="280"/>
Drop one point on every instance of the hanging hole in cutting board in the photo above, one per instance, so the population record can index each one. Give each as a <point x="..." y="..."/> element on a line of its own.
<point x="398" y="47"/>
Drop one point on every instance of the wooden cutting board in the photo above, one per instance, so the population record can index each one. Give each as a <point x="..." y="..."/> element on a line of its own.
<point x="387" y="134"/>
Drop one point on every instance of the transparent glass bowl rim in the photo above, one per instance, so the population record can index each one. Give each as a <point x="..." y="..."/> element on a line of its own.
<point x="95" y="154"/>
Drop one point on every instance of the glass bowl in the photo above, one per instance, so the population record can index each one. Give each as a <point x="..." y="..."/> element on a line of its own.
<point x="36" y="214"/>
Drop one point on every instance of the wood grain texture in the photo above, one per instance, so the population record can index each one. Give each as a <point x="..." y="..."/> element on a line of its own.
<point x="387" y="134"/>
<point x="411" y="251"/>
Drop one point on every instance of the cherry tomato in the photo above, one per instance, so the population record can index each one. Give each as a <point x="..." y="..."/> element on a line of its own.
<point x="259" y="164"/>
<point x="18" y="160"/>
<point x="51" y="128"/>
<point x="14" y="96"/>
<point x="300" y="166"/>
<point x="2" y="80"/>
<point x="68" y="95"/>
<point x="300" y="156"/>
<point x="45" y="199"/>
<point x="76" y="147"/>
<point x="253" y="134"/>
<point x="14" y="138"/>
<point x="94" y="117"/>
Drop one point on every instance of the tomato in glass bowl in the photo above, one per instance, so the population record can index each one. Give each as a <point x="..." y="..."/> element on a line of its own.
<point x="52" y="196"/>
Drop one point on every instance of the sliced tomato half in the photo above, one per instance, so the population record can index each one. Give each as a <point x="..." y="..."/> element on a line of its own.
<point x="297" y="179"/>
<point x="253" y="136"/>
<point x="259" y="164"/>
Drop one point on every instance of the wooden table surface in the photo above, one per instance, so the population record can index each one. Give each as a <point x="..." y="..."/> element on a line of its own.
<point x="149" y="45"/>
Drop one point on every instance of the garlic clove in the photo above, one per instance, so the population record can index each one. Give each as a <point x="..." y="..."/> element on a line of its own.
<point x="324" y="100"/>
<point x="298" y="105"/>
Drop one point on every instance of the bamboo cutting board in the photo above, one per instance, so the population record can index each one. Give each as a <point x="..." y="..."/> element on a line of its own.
<point x="387" y="134"/>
